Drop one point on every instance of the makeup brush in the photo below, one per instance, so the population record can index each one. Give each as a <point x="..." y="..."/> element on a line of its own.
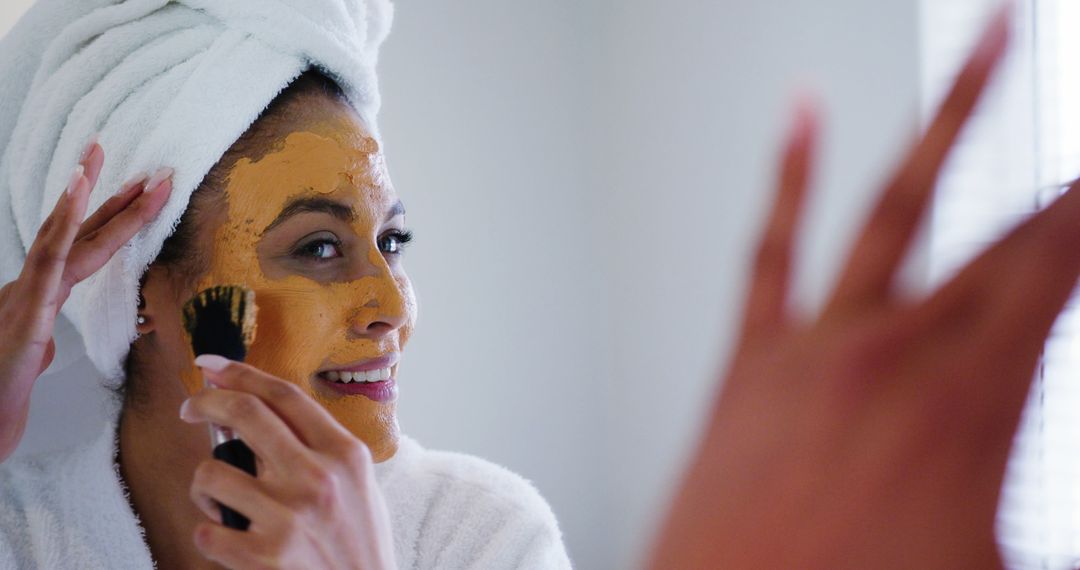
<point x="221" y="320"/>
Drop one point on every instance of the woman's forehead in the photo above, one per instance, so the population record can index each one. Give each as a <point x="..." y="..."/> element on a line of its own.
<point x="350" y="168"/>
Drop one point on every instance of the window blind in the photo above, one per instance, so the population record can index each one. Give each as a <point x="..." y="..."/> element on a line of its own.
<point x="1023" y="145"/>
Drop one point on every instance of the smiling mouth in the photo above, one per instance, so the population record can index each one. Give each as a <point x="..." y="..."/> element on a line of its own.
<point x="346" y="377"/>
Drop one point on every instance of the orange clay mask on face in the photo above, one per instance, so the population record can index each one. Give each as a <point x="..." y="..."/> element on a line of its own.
<point x="303" y="229"/>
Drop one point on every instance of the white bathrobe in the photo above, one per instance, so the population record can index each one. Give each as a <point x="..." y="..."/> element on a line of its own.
<point x="448" y="510"/>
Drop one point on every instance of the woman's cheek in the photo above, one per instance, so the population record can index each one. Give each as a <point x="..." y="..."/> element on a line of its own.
<point x="411" y="309"/>
<point x="295" y="331"/>
<point x="191" y="378"/>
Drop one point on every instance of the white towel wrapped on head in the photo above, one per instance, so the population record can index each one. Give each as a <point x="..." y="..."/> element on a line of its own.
<point x="165" y="83"/>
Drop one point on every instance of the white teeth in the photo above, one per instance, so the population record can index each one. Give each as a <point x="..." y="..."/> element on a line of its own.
<point x="369" y="376"/>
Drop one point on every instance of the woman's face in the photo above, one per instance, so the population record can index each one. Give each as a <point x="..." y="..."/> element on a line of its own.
<point x="314" y="228"/>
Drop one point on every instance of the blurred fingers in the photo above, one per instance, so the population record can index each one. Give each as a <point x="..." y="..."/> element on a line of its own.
<point x="770" y="284"/>
<point x="869" y="272"/>
<point x="1006" y="300"/>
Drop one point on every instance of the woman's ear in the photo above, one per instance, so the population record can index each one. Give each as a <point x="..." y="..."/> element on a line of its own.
<point x="153" y="286"/>
<point x="141" y="320"/>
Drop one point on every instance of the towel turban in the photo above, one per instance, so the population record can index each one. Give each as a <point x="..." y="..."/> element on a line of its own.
<point x="164" y="83"/>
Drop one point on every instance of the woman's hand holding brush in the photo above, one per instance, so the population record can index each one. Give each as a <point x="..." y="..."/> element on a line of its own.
<point x="314" y="503"/>
<point x="67" y="250"/>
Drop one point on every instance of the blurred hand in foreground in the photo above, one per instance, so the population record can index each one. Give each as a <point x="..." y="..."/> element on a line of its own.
<point x="875" y="435"/>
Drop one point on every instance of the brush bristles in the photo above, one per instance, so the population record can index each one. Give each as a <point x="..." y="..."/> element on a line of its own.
<point x="221" y="320"/>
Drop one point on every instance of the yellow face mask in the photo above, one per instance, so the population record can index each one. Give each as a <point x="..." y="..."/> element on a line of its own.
<point x="314" y="228"/>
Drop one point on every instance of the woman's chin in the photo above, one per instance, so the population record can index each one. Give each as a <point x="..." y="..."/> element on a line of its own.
<point x="379" y="432"/>
<point x="382" y="444"/>
<point x="386" y="449"/>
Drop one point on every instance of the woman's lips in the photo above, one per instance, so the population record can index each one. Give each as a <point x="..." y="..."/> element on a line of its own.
<point x="388" y="360"/>
<point x="381" y="391"/>
<point x="375" y="384"/>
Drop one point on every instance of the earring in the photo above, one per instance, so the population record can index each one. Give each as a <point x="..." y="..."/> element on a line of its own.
<point x="141" y="319"/>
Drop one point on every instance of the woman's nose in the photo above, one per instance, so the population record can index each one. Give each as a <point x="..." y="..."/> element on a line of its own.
<point x="386" y="309"/>
<point x="376" y="322"/>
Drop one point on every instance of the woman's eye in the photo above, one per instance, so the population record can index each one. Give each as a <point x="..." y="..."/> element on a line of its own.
<point x="394" y="242"/>
<point x="321" y="249"/>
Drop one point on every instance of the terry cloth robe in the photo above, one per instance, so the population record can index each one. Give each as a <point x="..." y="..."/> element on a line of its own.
<point x="69" y="510"/>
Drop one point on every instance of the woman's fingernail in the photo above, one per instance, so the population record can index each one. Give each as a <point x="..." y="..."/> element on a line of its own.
<point x="185" y="409"/>
<point x="135" y="180"/>
<point x="160" y="176"/>
<point x="75" y="176"/>
<point x="212" y="362"/>
<point x="89" y="147"/>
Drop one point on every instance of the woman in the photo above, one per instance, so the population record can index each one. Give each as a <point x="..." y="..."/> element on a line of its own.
<point x="301" y="209"/>
<point x="873" y="437"/>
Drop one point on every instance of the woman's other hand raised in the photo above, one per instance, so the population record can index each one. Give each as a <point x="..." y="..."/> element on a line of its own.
<point x="65" y="251"/>
<point x="875" y="435"/>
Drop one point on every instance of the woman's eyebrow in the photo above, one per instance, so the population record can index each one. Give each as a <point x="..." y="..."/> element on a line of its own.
<point x="303" y="204"/>
<point x="397" y="209"/>
<point x="337" y="209"/>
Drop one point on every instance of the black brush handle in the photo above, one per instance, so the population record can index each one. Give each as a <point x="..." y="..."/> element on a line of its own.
<point x="236" y="453"/>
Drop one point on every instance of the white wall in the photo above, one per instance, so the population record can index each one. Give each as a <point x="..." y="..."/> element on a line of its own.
<point x="585" y="179"/>
<point x="10" y="11"/>
<point x="484" y="119"/>
<point x="696" y="97"/>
